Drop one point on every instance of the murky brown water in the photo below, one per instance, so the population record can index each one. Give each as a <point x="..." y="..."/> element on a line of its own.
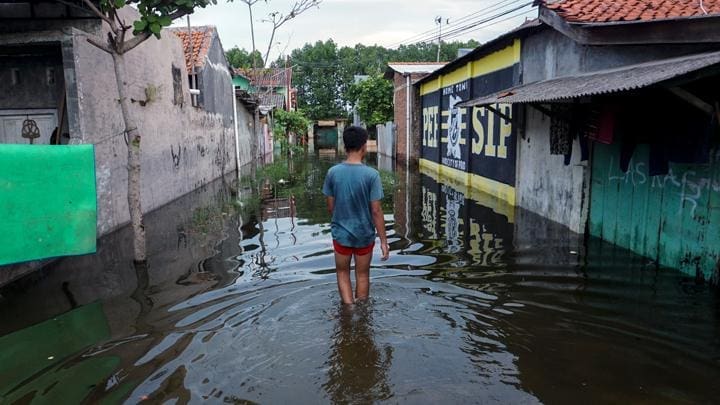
<point x="478" y="304"/>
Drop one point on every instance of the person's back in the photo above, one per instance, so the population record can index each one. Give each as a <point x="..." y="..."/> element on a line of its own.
<point x="353" y="193"/>
<point x="354" y="186"/>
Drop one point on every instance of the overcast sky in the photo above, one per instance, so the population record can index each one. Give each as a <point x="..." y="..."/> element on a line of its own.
<point x="349" y="22"/>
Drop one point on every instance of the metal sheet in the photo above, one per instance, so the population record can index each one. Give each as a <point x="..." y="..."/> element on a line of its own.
<point x="600" y="82"/>
<point x="48" y="201"/>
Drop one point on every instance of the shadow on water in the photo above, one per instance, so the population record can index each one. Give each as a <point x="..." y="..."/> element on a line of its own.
<point x="479" y="302"/>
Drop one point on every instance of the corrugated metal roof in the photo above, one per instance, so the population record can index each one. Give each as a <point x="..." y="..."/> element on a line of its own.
<point x="601" y="82"/>
<point x="272" y="99"/>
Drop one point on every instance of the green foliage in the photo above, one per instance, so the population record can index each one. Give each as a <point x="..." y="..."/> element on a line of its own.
<point x="154" y="14"/>
<point x="318" y="79"/>
<point x="240" y="58"/>
<point x="286" y="122"/>
<point x="373" y="98"/>
<point x="324" y="74"/>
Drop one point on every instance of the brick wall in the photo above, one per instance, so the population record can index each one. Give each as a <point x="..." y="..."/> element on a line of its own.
<point x="400" y="103"/>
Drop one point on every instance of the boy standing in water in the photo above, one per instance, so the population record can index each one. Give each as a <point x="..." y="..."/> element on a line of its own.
<point x="353" y="193"/>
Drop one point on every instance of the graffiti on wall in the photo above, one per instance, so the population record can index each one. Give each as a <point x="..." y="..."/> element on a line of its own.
<point x="690" y="185"/>
<point x="472" y="140"/>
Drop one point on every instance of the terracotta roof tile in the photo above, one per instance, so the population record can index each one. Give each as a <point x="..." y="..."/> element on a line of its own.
<point x="196" y="45"/>
<point x="601" y="11"/>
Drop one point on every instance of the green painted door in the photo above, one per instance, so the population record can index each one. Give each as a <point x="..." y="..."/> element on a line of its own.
<point x="327" y="138"/>
<point x="672" y="219"/>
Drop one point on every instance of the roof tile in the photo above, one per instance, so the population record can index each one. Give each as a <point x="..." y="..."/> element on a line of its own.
<point x="600" y="11"/>
<point x="195" y="45"/>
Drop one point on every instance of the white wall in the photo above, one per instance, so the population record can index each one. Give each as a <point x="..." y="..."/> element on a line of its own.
<point x="544" y="184"/>
<point x="182" y="147"/>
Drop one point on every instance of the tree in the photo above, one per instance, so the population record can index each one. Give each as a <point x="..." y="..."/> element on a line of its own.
<point x="287" y="122"/>
<point x="250" y="4"/>
<point x="317" y="77"/>
<point x="324" y="73"/>
<point x="277" y="19"/>
<point x="240" y="58"/>
<point x="123" y="37"/>
<point x="373" y="98"/>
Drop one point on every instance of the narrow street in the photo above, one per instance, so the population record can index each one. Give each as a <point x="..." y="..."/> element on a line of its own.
<point x="238" y="304"/>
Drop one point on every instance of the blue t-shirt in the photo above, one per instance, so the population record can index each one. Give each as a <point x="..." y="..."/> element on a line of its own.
<point x="353" y="186"/>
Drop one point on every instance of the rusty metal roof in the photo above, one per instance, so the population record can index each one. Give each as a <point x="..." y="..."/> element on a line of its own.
<point x="609" y="81"/>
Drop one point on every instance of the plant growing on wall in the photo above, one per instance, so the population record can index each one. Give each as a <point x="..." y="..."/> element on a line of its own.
<point x="124" y="36"/>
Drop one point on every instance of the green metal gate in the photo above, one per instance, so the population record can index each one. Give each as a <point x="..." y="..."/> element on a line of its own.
<point x="671" y="218"/>
<point x="327" y="137"/>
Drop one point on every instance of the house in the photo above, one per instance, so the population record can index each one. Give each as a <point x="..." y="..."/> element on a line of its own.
<point x="609" y="126"/>
<point x="406" y="103"/>
<point x="272" y="85"/>
<point x="473" y="146"/>
<point x="207" y="71"/>
<point x="50" y="73"/>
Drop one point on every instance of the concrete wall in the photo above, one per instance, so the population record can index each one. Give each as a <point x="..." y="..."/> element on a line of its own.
<point x="216" y="82"/>
<point x="249" y="133"/>
<point x="183" y="147"/>
<point x="545" y="185"/>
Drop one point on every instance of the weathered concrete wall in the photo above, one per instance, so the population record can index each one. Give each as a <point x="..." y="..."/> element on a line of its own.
<point x="549" y="54"/>
<point x="182" y="148"/>
<point x="545" y="185"/>
<point x="216" y="83"/>
<point x="247" y="134"/>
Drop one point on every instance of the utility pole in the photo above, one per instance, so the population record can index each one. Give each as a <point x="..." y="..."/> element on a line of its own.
<point x="438" y="21"/>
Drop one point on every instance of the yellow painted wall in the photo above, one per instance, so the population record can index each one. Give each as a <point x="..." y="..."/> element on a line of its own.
<point x="490" y="190"/>
<point x="487" y="64"/>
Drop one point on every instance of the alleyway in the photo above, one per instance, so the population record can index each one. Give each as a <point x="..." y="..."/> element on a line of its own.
<point x="478" y="303"/>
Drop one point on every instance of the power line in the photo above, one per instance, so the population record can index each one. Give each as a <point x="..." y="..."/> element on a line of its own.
<point x="494" y="22"/>
<point x="476" y="14"/>
<point x="474" y="24"/>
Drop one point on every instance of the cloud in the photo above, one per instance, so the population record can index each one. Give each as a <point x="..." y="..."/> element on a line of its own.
<point x="347" y="22"/>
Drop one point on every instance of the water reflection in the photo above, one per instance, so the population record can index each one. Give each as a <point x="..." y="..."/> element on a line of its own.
<point x="478" y="303"/>
<point x="357" y="367"/>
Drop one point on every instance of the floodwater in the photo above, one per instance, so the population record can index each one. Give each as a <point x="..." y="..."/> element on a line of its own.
<point x="479" y="303"/>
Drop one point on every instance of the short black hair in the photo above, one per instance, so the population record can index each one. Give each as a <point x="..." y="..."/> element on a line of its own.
<point x="354" y="138"/>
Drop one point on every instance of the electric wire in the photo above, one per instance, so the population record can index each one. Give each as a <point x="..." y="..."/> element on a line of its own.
<point x="474" y="24"/>
<point x="474" y="15"/>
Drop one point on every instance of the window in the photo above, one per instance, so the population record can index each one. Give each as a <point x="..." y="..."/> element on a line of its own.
<point x="194" y="90"/>
<point x="177" y="86"/>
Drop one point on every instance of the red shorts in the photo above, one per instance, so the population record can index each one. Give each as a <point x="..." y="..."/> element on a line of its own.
<point x="347" y="251"/>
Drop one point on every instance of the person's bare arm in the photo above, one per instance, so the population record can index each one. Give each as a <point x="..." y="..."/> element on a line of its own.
<point x="379" y="221"/>
<point x="330" y="204"/>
